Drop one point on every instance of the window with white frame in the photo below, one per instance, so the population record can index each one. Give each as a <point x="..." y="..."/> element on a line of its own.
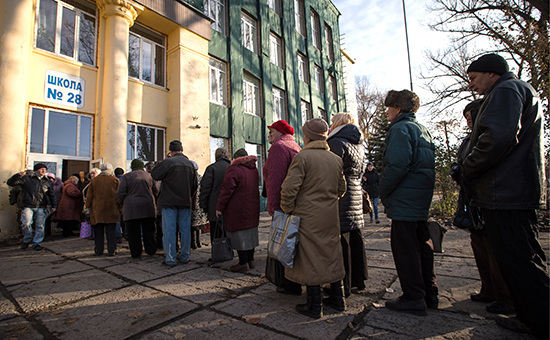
<point x="58" y="132"/>
<point x="249" y="32"/>
<point x="299" y="17"/>
<point x="215" y="9"/>
<point x="279" y="111"/>
<point x="328" y="42"/>
<point x="146" y="55"/>
<point x="67" y="28"/>
<point x="145" y="143"/>
<point x="276" y="6"/>
<point x="215" y="143"/>
<point x="218" y="81"/>
<point x="322" y="113"/>
<point x="305" y="110"/>
<point x="303" y="68"/>
<point x="315" y="30"/>
<point x="276" y="49"/>
<point x="319" y="79"/>
<point x="256" y="150"/>
<point x="251" y="95"/>
<point x="332" y="85"/>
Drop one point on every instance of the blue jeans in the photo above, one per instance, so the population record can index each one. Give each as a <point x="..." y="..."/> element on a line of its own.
<point x="27" y="215"/>
<point x="171" y="216"/>
<point x="374" y="208"/>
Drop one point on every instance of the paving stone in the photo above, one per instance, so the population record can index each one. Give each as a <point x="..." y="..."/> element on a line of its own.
<point x="210" y="325"/>
<point x="115" y="315"/>
<point x="149" y="268"/>
<point x="46" y="293"/>
<point x="7" y="309"/>
<point x="18" y="329"/>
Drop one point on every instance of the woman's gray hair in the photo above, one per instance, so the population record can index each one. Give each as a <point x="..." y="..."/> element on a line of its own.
<point x="106" y="168"/>
<point x="95" y="171"/>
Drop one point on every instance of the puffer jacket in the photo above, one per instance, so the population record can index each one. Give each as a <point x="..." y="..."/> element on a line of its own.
<point x="504" y="166"/>
<point x="345" y="142"/>
<point x="70" y="205"/>
<point x="408" y="178"/>
<point x="35" y="192"/>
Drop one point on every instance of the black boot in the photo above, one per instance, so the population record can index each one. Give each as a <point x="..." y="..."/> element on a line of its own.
<point x="312" y="307"/>
<point x="336" y="297"/>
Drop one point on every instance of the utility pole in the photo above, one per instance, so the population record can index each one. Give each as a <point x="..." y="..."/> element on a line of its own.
<point x="407" y="40"/>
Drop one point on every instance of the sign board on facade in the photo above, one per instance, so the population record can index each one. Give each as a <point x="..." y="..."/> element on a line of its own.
<point x="64" y="89"/>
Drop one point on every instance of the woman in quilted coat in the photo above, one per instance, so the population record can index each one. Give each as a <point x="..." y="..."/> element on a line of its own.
<point x="70" y="206"/>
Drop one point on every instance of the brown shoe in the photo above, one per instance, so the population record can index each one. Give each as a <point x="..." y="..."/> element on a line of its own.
<point x="239" y="268"/>
<point x="251" y="265"/>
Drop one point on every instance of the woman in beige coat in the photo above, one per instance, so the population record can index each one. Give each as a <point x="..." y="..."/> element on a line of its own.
<point x="313" y="185"/>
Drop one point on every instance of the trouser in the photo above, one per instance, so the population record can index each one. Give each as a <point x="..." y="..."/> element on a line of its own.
<point x="195" y="237"/>
<point x="158" y="222"/>
<point x="27" y="217"/>
<point x="245" y="256"/>
<point x="100" y="230"/>
<point x="522" y="262"/>
<point x="492" y="282"/>
<point x="374" y="208"/>
<point x="413" y="256"/>
<point x="355" y="259"/>
<point x="135" y="228"/>
<point x="68" y="227"/>
<point x="173" y="218"/>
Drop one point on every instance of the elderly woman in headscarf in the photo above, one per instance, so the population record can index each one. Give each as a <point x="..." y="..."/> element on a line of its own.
<point x="345" y="141"/>
<point x="104" y="209"/>
<point x="70" y="206"/>
<point x="311" y="189"/>
<point x="239" y="201"/>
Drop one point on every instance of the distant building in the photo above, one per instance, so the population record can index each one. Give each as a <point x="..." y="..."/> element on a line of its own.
<point x="349" y="84"/>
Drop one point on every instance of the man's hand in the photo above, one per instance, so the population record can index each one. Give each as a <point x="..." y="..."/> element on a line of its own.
<point x="54" y="209"/>
<point x="21" y="173"/>
<point x="218" y="213"/>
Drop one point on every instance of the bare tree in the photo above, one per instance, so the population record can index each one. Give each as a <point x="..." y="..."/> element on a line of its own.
<point x="369" y="98"/>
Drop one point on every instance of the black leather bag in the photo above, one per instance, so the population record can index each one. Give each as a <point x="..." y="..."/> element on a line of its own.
<point x="275" y="272"/>
<point x="466" y="217"/>
<point x="221" y="246"/>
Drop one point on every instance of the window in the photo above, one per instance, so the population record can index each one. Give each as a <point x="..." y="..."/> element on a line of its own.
<point x="332" y="85"/>
<point x="276" y="6"/>
<point x="315" y="30"/>
<point x="279" y="111"/>
<point x="328" y="42"/>
<point x="218" y="81"/>
<point x="303" y="67"/>
<point x="306" y="111"/>
<point x="276" y="50"/>
<point x="322" y="113"/>
<point x="215" y="9"/>
<point x="251" y="95"/>
<point x="60" y="133"/>
<point x="249" y="33"/>
<point x="256" y="150"/>
<point x="299" y="17"/>
<point x="145" y="143"/>
<point x="68" y="30"/>
<point x="216" y="142"/>
<point x="146" y="53"/>
<point x="319" y="79"/>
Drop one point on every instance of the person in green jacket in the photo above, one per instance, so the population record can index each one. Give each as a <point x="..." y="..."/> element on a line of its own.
<point x="406" y="189"/>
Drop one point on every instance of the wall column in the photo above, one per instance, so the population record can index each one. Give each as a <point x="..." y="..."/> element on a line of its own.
<point x="16" y="24"/>
<point x="118" y="16"/>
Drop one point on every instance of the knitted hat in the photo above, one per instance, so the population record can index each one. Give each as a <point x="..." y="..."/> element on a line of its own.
<point x="489" y="63"/>
<point x="175" y="145"/>
<point x="240" y="153"/>
<point x="137" y="164"/>
<point x="472" y="106"/>
<point x="370" y="163"/>
<point x="283" y="127"/>
<point x="315" y="129"/>
<point x="106" y="167"/>
<point x="39" y="166"/>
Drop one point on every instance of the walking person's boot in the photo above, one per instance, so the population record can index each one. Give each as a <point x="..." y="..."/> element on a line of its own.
<point x="336" y="298"/>
<point x="312" y="307"/>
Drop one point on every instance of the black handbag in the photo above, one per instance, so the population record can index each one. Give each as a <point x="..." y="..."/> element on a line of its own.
<point x="221" y="246"/>
<point x="467" y="216"/>
<point x="275" y="272"/>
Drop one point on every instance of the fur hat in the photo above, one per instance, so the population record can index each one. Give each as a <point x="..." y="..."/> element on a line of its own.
<point x="315" y="129"/>
<point x="136" y="164"/>
<point x="489" y="63"/>
<point x="175" y="145"/>
<point x="283" y="127"/>
<point x="240" y="153"/>
<point x="106" y="167"/>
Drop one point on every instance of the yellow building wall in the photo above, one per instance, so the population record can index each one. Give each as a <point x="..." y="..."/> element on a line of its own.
<point x="147" y="104"/>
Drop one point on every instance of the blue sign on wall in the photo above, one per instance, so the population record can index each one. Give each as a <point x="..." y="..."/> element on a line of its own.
<point x="64" y="89"/>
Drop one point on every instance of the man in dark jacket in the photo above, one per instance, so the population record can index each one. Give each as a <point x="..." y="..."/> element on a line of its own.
<point x="371" y="181"/>
<point x="211" y="185"/>
<point x="503" y="175"/>
<point x="406" y="188"/>
<point x="36" y="194"/>
<point x="179" y="185"/>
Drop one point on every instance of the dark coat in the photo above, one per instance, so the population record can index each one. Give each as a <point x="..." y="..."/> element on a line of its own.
<point x="345" y="142"/>
<point x="35" y="192"/>
<point x="179" y="182"/>
<point x="371" y="185"/>
<point x="504" y="166"/>
<point x="211" y="184"/>
<point x="239" y="198"/>
<point x="136" y="194"/>
<point x="70" y="206"/>
<point x="408" y="178"/>
<point x="58" y="188"/>
<point x="101" y="199"/>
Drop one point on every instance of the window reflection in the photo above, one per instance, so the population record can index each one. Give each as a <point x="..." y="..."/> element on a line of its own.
<point x="85" y="137"/>
<point x="67" y="32"/>
<point x="62" y="134"/>
<point x="145" y="143"/>
<point x="87" y="39"/>
<point x="133" y="56"/>
<point x="130" y="148"/>
<point x="37" y="130"/>
<point x="146" y="61"/>
<point x="47" y="18"/>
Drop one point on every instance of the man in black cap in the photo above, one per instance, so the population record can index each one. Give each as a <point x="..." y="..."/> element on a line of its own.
<point x="178" y="187"/>
<point x="503" y="175"/>
<point x="36" y="193"/>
